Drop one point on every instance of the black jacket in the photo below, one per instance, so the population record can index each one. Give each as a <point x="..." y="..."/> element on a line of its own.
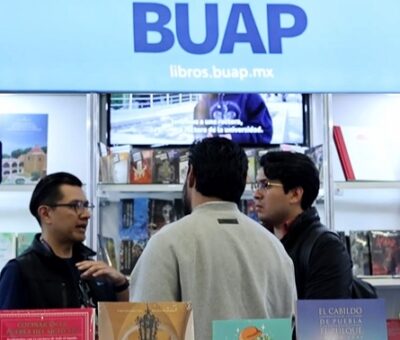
<point x="329" y="273"/>
<point x="52" y="282"/>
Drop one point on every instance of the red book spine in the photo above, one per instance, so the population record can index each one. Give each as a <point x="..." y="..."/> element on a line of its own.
<point x="343" y="154"/>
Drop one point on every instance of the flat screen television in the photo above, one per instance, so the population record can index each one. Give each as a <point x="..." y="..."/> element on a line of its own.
<point x="177" y="119"/>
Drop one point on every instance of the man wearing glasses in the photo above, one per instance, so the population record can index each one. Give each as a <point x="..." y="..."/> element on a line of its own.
<point x="56" y="271"/>
<point x="287" y="185"/>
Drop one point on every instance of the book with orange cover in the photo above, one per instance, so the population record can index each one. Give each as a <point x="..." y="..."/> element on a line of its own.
<point x="343" y="153"/>
<point x="137" y="321"/>
<point x="48" y="324"/>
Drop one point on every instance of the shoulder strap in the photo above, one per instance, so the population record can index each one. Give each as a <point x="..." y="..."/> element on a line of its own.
<point x="308" y="244"/>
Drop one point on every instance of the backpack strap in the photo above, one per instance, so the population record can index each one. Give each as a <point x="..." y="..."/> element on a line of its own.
<point x="307" y="245"/>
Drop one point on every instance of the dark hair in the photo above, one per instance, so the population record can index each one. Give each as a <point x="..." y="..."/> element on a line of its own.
<point x="47" y="191"/>
<point x="220" y="168"/>
<point x="293" y="169"/>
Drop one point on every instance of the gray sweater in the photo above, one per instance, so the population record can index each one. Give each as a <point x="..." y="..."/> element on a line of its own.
<point x="226" y="264"/>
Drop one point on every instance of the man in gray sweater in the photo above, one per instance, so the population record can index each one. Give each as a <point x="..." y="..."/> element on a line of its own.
<point x="226" y="264"/>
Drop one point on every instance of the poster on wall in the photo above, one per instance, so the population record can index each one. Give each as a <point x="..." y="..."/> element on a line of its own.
<point x="24" y="155"/>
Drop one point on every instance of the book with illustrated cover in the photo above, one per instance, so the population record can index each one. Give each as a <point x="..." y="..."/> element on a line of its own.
<point x="153" y="320"/>
<point x="344" y="319"/>
<point x="134" y="218"/>
<point x="8" y="246"/>
<point x="24" y="147"/>
<point x="166" y="166"/>
<point x="162" y="212"/>
<point x="24" y="241"/>
<point x="385" y="252"/>
<point x="120" y="163"/>
<point x="107" y="251"/>
<point x="360" y="252"/>
<point x="316" y="154"/>
<point x="252" y="169"/>
<point x="141" y="171"/>
<point x="130" y="251"/>
<point x="48" y="324"/>
<point x="248" y="329"/>
<point x="183" y="164"/>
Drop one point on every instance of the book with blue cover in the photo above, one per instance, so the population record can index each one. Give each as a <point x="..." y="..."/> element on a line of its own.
<point x="343" y="319"/>
<point x="248" y="329"/>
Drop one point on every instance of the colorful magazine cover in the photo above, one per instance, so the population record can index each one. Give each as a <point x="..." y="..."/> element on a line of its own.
<point x="24" y="138"/>
<point x="252" y="329"/>
<point x="345" y="319"/>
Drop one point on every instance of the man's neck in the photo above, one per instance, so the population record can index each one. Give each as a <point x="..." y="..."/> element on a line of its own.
<point x="282" y="229"/>
<point x="60" y="249"/>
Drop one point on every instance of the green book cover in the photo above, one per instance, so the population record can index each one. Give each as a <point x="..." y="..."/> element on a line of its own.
<point x="24" y="240"/>
<point x="252" y="329"/>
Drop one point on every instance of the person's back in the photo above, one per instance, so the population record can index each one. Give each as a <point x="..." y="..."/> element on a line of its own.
<point x="228" y="265"/>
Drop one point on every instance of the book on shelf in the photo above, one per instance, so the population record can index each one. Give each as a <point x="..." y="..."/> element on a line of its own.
<point x="48" y="324"/>
<point x="166" y="166"/>
<point x="23" y="242"/>
<point x="162" y="212"/>
<point x="344" y="319"/>
<point x="385" y="252"/>
<point x="120" y="156"/>
<point x="8" y="246"/>
<point x="316" y="153"/>
<point x="360" y="252"/>
<point x="107" y="251"/>
<point x="248" y="329"/>
<point x="141" y="170"/>
<point x="183" y="164"/>
<point x="134" y="218"/>
<point x="130" y="251"/>
<point x="252" y="165"/>
<point x="153" y="320"/>
<point x="343" y="154"/>
<point x="105" y="163"/>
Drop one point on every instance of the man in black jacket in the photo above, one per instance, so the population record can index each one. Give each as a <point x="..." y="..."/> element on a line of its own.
<point x="57" y="271"/>
<point x="287" y="185"/>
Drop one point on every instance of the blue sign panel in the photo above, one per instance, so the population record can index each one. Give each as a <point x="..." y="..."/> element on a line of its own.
<point x="223" y="45"/>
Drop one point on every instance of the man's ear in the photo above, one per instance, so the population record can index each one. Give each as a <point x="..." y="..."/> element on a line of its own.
<point x="191" y="180"/>
<point x="44" y="213"/>
<point x="296" y="194"/>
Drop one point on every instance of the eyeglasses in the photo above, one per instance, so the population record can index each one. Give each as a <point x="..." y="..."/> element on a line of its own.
<point x="78" y="206"/>
<point x="263" y="184"/>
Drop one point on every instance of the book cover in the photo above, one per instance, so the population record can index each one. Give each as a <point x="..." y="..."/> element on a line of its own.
<point x="48" y="324"/>
<point x="393" y="327"/>
<point x="183" y="164"/>
<point x="162" y="212"/>
<point x="257" y="329"/>
<point x="120" y="163"/>
<point x="107" y="250"/>
<point x="341" y="319"/>
<point x="24" y="139"/>
<point x="317" y="156"/>
<point x="252" y="162"/>
<point x="134" y="218"/>
<point x="360" y="252"/>
<point x="7" y="248"/>
<point x="385" y="252"/>
<point x="166" y="166"/>
<point x="24" y="240"/>
<point x="130" y="251"/>
<point x="142" y="321"/>
<point x="343" y="154"/>
<point x="141" y="171"/>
